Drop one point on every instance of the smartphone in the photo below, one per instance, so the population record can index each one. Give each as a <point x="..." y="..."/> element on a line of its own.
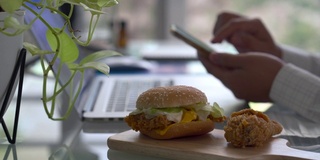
<point x="191" y="40"/>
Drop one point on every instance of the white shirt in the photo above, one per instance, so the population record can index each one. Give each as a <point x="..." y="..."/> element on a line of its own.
<point x="297" y="85"/>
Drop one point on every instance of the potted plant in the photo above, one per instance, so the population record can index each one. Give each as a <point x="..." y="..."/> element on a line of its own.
<point x="10" y="47"/>
<point x="63" y="45"/>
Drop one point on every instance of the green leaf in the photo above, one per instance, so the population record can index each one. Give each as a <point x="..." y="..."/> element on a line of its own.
<point x="107" y="3"/>
<point x="99" y="55"/>
<point x="168" y="110"/>
<point x="68" y="51"/>
<point x="92" y="8"/>
<point x="102" y="67"/>
<point x="12" y="22"/>
<point x="34" y="50"/>
<point x="10" y="5"/>
<point x="75" y="2"/>
<point x="73" y="66"/>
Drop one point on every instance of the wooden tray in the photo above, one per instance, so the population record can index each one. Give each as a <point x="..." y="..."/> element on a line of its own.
<point x="210" y="146"/>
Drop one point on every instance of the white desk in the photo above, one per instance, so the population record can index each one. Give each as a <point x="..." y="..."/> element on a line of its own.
<point x="41" y="138"/>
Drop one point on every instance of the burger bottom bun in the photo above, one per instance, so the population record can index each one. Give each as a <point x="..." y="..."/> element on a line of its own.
<point x="178" y="130"/>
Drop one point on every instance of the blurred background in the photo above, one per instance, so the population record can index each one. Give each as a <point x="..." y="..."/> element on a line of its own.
<point x="292" y="22"/>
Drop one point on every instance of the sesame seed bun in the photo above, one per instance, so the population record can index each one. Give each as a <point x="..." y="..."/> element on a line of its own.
<point x="172" y="96"/>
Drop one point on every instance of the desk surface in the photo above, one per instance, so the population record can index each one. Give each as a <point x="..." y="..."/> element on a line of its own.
<point x="41" y="138"/>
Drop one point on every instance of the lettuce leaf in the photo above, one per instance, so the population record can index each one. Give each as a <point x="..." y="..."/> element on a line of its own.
<point x="217" y="111"/>
<point x="175" y="114"/>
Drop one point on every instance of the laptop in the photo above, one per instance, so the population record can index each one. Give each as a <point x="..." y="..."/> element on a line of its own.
<point x="106" y="100"/>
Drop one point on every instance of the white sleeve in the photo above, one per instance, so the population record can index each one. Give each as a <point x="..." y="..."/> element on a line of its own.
<point x="302" y="59"/>
<point x="298" y="90"/>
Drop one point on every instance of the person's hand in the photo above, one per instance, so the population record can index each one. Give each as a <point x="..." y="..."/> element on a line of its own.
<point x="249" y="76"/>
<point x="247" y="35"/>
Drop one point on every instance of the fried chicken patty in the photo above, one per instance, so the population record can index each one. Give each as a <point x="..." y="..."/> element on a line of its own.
<point x="136" y="122"/>
<point x="139" y="121"/>
<point x="250" y="128"/>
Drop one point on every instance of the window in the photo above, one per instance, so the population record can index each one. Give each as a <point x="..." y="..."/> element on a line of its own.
<point x="292" y="22"/>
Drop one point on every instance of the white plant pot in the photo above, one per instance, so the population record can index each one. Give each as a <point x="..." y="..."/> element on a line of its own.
<point x="10" y="47"/>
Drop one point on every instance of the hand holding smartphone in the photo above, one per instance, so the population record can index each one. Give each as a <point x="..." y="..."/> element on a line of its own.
<point x="191" y="40"/>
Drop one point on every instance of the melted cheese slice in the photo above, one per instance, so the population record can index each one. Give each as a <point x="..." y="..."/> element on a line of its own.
<point x="188" y="116"/>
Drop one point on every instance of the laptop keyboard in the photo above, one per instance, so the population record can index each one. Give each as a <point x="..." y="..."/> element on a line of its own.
<point x="126" y="92"/>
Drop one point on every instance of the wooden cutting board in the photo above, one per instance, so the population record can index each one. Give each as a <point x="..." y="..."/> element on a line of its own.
<point x="210" y="146"/>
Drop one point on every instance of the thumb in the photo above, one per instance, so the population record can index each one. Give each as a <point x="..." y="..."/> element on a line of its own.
<point x="226" y="60"/>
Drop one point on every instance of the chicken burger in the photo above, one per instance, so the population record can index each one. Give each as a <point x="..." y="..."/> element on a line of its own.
<point x="173" y="112"/>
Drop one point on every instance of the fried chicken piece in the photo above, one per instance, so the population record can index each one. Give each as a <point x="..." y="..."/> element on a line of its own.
<point x="250" y="128"/>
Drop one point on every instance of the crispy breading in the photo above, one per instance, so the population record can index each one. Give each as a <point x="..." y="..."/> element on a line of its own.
<point x="250" y="128"/>
<point x="136" y="122"/>
<point x="139" y="121"/>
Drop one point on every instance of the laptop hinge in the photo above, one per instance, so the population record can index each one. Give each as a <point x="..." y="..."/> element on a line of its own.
<point x="95" y="90"/>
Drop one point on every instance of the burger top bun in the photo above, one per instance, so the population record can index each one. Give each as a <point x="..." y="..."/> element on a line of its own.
<point x="172" y="96"/>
